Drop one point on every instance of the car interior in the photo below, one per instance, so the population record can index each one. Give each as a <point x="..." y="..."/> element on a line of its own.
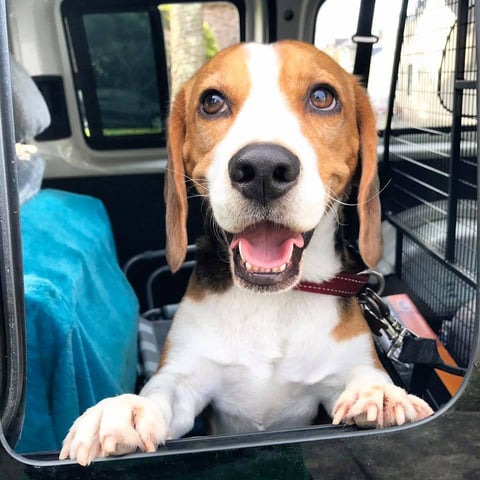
<point x="91" y="87"/>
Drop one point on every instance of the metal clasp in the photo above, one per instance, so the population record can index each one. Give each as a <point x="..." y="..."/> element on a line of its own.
<point x="378" y="276"/>
<point x="379" y="317"/>
<point x="397" y="344"/>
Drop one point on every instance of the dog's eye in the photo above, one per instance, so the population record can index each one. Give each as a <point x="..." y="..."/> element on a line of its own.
<point x="212" y="102"/>
<point x="322" y="98"/>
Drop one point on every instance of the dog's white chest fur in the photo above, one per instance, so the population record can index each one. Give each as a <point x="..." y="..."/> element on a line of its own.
<point x="273" y="355"/>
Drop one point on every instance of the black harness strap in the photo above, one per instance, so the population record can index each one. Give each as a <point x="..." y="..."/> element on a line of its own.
<point x="364" y="40"/>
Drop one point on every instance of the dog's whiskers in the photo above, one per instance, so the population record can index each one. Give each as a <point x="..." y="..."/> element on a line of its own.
<point x="218" y="235"/>
<point x="190" y="179"/>
<point x="221" y="239"/>
<point x="197" y="195"/>
<point x="335" y="200"/>
<point x="332" y="207"/>
<point x="332" y="197"/>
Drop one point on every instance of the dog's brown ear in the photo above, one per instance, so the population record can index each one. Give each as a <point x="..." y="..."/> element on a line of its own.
<point x="369" y="210"/>
<point x="175" y="191"/>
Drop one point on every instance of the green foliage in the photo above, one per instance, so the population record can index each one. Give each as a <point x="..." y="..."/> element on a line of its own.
<point x="211" y="46"/>
<point x="165" y="12"/>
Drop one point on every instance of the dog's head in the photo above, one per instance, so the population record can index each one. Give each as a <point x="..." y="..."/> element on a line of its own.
<point x="273" y="135"/>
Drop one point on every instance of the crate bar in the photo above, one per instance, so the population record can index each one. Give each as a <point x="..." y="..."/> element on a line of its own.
<point x="393" y="85"/>
<point x="432" y="253"/>
<point x="423" y="184"/>
<point x="421" y="165"/>
<point x="421" y="201"/>
<point x="407" y="143"/>
<point x="398" y="252"/>
<point x="476" y="332"/>
<point x="453" y="184"/>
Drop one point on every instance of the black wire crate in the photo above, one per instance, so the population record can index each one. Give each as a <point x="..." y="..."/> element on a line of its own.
<point x="431" y="160"/>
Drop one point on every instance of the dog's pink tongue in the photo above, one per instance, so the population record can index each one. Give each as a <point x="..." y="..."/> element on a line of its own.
<point x="266" y="245"/>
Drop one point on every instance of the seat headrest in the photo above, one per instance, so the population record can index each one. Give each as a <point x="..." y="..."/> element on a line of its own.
<point x="30" y="112"/>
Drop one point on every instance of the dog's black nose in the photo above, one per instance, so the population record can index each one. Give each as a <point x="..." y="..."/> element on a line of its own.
<point x="263" y="171"/>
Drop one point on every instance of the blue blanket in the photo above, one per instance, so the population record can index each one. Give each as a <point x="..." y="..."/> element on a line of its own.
<point x="81" y="315"/>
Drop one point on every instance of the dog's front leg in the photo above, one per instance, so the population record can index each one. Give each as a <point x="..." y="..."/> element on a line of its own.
<point x="370" y="400"/>
<point x="166" y="408"/>
<point x="185" y="399"/>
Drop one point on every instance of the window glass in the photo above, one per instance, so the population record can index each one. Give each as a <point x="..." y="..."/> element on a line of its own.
<point x="128" y="65"/>
<point x="425" y="87"/>
<point x="123" y="61"/>
<point x="335" y="27"/>
<point x="334" y="30"/>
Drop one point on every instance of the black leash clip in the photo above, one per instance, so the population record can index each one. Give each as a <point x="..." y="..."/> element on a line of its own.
<point x="377" y="313"/>
<point x="405" y="345"/>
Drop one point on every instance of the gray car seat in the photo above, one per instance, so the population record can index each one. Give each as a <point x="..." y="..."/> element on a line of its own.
<point x="31" y="117"/>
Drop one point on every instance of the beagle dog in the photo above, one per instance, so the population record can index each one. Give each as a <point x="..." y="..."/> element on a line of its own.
<point x="273" y="137"/>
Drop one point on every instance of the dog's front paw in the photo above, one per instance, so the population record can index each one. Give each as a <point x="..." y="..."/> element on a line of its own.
<point x="115" y="426"/>
<point x="378" y="406"/>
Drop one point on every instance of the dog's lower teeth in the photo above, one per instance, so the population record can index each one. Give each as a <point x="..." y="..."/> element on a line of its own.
<point x="254" y="269"/>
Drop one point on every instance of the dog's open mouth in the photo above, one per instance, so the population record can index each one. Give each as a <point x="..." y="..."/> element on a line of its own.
<point x="268" y="255"/>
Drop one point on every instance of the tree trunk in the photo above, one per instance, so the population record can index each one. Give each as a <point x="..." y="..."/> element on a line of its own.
<point x="187" y="45"/>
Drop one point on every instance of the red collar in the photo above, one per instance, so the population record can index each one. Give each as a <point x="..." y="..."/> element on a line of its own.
<point x="343" y="285"/>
